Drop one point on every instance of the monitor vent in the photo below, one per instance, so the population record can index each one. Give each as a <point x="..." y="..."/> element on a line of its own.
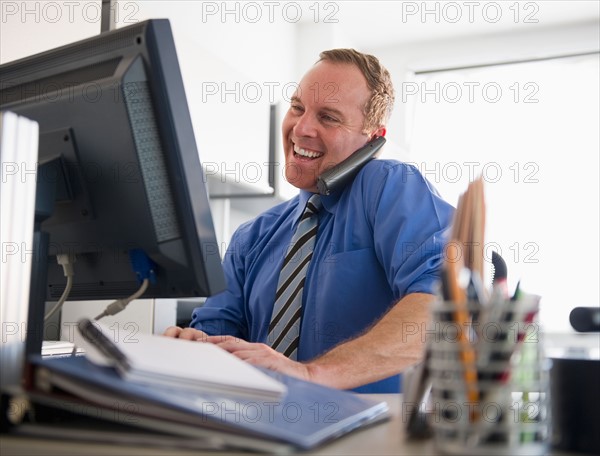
<point x="152" y="163"/>
<point x="58" y="84"/>
<point x="105" y="290"/>
<point x="63" y="56"/>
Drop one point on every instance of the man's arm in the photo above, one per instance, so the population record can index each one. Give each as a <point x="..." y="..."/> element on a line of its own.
<point x="394" y="343"/>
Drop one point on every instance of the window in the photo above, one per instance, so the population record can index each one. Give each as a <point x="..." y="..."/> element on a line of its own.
<point x="531" y="130"/>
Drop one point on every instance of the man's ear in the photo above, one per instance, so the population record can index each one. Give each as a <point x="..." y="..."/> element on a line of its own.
<point x="379" y="132"/>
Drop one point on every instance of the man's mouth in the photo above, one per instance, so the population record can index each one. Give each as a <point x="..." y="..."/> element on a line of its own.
<point x="306" y="153"/>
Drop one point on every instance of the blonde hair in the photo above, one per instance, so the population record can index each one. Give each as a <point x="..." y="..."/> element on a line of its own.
<point x="379" y="107"/>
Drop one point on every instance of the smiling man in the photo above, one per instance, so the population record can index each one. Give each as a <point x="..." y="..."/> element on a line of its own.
<point x="363" y="290"/>
<point x="326" y="121"/>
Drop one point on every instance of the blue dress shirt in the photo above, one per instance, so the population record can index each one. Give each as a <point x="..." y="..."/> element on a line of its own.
<point x="379" y="239"/>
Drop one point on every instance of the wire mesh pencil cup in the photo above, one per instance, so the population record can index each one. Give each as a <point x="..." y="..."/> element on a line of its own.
<point x="490" y="380"/>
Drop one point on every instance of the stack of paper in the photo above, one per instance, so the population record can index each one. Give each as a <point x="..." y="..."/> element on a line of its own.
<point x="305" y="417"/>
<point x="18" y="154"/>
<point x="176" y="364"/>
<point x="189" y="394"/>
<point x="60" y="348"/>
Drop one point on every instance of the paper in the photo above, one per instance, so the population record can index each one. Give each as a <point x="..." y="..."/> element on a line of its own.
<point x="18" y="154"/>
<point x="192" y="365"/>
<point x="307" y="416"/>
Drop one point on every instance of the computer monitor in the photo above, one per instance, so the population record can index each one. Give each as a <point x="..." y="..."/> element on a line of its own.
<point x="117" y="150"/>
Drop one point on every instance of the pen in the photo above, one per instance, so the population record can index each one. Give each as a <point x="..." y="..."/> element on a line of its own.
<point x="517" y="294"/>
<point x="461" y="318"/>
<point x="97" y="338"/>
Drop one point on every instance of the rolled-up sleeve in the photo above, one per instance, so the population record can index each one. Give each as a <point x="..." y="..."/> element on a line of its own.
<point x="410" y="224"/>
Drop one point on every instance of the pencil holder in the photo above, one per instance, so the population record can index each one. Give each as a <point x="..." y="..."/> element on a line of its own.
<point x="490" y="380"/>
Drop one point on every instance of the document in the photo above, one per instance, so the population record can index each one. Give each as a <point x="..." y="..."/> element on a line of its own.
<point x="176" y="364"/>
<point x="306" y="416"/>
<point x="18" y="160"/>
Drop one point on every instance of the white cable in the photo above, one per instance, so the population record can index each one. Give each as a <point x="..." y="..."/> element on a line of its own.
<point x="117" y="306"/>
<point x="66" y="261"/>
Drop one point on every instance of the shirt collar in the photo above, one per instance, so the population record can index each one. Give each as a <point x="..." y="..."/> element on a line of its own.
<point x="303" y="197"/>
<point x="329" y="204"/>
<point x="330" y="201"/>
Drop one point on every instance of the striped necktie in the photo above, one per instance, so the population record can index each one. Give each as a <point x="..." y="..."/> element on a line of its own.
<point x="284" y="330"/>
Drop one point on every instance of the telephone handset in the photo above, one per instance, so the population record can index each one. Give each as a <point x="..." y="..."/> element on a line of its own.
<point x="337" y="177"/>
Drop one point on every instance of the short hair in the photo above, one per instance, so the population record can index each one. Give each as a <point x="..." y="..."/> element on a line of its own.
<point x="379" y="107"/>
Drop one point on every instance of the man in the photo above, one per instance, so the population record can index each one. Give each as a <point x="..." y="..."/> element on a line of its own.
<point x="370" y="282"/>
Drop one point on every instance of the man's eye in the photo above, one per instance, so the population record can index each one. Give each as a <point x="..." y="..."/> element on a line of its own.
<point x="328" y="118"/>
<point x="296" y="108"/>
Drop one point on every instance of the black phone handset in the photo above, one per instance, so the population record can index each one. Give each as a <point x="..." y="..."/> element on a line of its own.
<point x="337" y="177"/>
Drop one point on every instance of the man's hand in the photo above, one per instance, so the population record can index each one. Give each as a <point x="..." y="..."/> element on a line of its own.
<point x="261" y="355"/>
<point x="254" y="353"/>
<point x="185" y="333"/>
<point x="384" y="350"/>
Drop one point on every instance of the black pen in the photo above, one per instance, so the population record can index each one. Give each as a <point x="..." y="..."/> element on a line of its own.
<point x="106" y="346"/>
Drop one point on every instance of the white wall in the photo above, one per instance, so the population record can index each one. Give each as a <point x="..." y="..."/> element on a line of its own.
<point x="237" y="57"/>
<point x="232" y="68"/>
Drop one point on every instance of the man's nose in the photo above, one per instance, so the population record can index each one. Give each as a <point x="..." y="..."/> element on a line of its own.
<point x="306" y="126"/>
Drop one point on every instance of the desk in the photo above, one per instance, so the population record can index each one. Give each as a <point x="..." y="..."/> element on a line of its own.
<point x="387" y="438"/>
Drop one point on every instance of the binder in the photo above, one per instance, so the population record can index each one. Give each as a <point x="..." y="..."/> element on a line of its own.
<point x="152" y="359"/>
<point x="18" y="162"/>
<point x="306" y="417"/>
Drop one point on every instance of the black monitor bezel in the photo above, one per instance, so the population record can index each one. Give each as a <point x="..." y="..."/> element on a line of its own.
<point x="153" y="41"/>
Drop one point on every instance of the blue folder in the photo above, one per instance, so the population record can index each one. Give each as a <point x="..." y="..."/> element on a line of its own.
<point x="306" y="417"/>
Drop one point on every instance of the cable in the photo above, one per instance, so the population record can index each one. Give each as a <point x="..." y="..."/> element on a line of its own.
<point x="144" y="269"/>
<point x="66" y="261"/>
<point x="118" y="305"/>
